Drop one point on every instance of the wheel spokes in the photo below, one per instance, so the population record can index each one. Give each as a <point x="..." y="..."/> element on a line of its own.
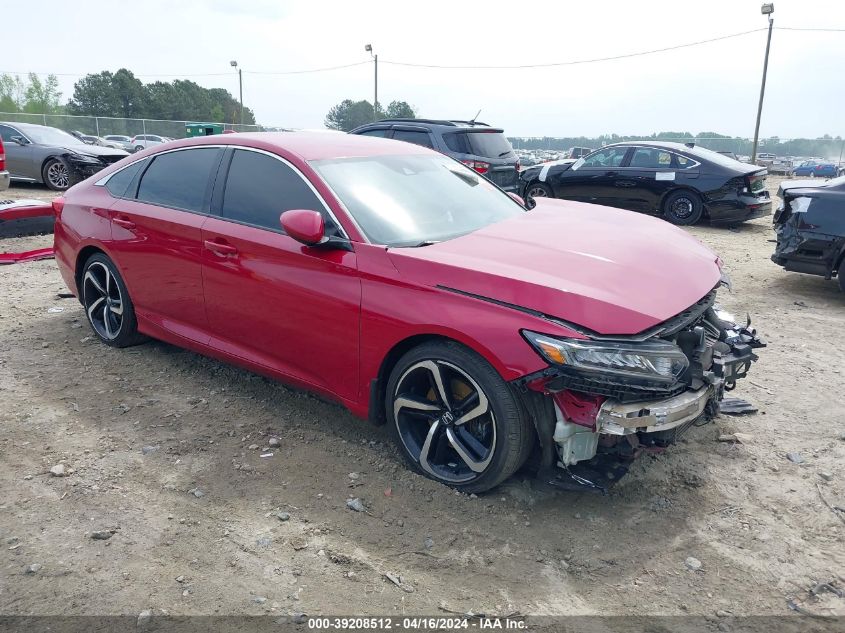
<point x="89" y="276"/>
<point x="407" y="402"/>
<point x="93" y="307"/>
<point x="437" y="377"/>
<point x="117" y="307"/>
<point x="426" y="447"/>
<point x="107" y="321"/>
<point x="467" y="447"/>
<point x="482" y="407"/>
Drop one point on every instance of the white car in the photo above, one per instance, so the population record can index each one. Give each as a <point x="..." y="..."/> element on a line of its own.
<point x="143" y="141"/>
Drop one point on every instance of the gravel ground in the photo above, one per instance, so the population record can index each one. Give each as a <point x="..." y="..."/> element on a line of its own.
<point x="167" y="503"/>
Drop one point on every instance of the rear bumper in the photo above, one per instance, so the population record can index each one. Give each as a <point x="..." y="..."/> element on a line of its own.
<point x="740" y="209"/>
<point x="4" y="180"/>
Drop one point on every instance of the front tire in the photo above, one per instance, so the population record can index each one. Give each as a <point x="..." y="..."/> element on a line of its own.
<point x="109" y="309"/>
<point x="454" y="419"/>
<point x="537" y="190"/>
<point x="138" y="148"/>
<point x="58" y="176"/>
<point x="683" y="208"/>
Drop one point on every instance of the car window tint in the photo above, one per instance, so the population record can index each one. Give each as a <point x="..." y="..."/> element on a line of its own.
<point x="6" y="133"/>
<point x="457" y="142"/>
<point x="120" y="181"/>
<point x="410" y="136"/>
<point x="179" y="179"/>
<point x="650" y="158"/>
<point x="260" y="188"/>
<point x="610" y="157"/>
<point x="379" y="132"/>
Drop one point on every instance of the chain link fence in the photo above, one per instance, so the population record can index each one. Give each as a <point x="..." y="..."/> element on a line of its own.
<point x="105" y="126"/>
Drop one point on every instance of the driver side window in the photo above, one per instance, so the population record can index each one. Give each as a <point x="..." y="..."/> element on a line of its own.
<point x="610" y="157"/>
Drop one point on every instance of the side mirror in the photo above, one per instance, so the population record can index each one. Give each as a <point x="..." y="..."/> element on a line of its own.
<point x="517" y="199"/>
<point x="304" y="225"/>
<point x="20" y="140"/>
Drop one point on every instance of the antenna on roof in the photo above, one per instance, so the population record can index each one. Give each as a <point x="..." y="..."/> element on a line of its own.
<point x="472" y="120"/>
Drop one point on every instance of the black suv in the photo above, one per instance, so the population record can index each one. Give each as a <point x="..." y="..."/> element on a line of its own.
<point x="477" y="145"/>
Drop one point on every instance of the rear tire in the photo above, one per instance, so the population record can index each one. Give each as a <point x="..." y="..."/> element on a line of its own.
<point x="138" y="148"/>
<point x="108" y="308"/>
<point x="454" y="418"/>
<point x="537" y="190"/>
<point x="683" y="208"/>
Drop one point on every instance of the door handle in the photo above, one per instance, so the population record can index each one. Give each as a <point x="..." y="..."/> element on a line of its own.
<point x="126" y="224"/>
<point x="611" y="173"/>
<point x="221" y="249"/>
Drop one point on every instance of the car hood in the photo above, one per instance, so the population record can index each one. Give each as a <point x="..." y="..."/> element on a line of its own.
<point x="607" y="270"/>
<point x="96" y="150"/>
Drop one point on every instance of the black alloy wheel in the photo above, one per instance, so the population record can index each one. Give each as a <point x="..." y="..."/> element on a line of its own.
<point x="455" y="419"/>
<point x="107" y="304"/>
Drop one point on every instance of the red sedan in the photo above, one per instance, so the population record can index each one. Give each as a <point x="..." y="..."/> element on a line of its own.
<point x="405" y="286"/>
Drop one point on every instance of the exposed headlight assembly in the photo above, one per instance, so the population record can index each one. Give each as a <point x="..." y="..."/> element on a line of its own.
<point x="655" y="360"/>
<point x="83" y="158"/>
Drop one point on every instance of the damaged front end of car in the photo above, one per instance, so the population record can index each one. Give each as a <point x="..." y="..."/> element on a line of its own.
<point x="615" y="396"/>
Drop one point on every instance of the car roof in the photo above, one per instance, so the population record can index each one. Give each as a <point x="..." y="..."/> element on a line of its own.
<point x="312" y="145"/>
<point x="23" y="126"/>
<point x="453" y="125"/>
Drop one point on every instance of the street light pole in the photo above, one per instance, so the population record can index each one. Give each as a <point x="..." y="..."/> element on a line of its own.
<point x="766" y="9"/>
<point x="369" y="49"/>
<point x="234" y="64"/>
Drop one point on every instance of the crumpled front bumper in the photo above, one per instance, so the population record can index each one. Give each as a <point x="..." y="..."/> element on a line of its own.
<point x="625" y="418"/>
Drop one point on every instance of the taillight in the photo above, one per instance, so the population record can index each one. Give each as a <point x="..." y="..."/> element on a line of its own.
<point x="58" y="205"/>
<point x="2" y="156"/>
<point x="480" y="166"/>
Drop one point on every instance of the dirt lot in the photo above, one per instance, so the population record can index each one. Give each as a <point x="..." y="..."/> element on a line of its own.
<point x="163" y="448"/>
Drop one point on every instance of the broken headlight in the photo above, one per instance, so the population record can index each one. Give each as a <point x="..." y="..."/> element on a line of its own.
<point x="655" y="360"/>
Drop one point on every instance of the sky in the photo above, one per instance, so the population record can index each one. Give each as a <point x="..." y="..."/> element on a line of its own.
<point x="711" y="87"/>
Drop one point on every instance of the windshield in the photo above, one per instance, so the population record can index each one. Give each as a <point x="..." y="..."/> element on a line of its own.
<point x="51" y="136"/>
<point x="413" y="200"/>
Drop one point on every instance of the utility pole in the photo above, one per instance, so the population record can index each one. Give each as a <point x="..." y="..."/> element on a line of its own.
<point x="369" y="49"/>
<point x="767" y="9"/>
<point x="234" y="64"/>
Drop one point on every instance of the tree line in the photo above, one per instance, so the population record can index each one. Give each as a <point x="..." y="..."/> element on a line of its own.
<point x="122" y="95"/>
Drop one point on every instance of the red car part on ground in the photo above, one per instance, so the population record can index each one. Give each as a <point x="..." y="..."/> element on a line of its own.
<point x="20" y="209"/>
<point x="461" y="340"/>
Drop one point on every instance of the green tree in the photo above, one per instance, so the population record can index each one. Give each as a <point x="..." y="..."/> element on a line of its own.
<point x="400" y="110"/>
<point x="42" y="97"/>
<point x="348" y="114"/>
<point x="12" y="93"/>
<point x="94" y="95"/>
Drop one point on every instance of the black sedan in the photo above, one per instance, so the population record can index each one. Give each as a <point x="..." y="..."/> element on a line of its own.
<point x="810" y="228"/>
<point x="683" y="183"/>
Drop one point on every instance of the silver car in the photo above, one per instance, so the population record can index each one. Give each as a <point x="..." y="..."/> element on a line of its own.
<point x="124" y="142"/>
<point x="47" y="155"/>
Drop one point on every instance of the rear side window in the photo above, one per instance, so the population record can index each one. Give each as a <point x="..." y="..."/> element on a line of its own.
<point x="489" y="144"/>
<point x="457" y="142"/>
<point x="411" y="136"/>
<point x="260" y="188"/>
<point x="651" y="158"/>
<point x="179" y="179"/>
<point x="119" y="182"/>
